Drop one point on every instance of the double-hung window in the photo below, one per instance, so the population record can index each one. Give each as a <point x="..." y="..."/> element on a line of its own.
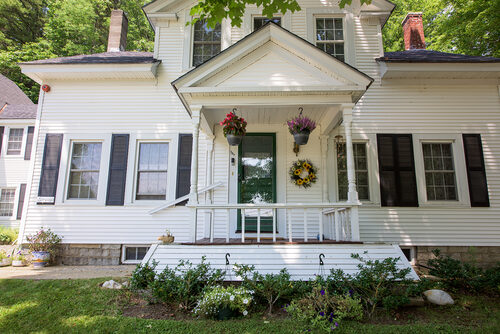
<point x="15" y="142"/>
<point x="258" y="22"/>
<point x="152" y="171"/>
<point x="84" y="170"/>
<point x="206" y="42"/>
<point x="329" y="36"/>
<point x="7" y="196"/>
<point x="440" y="181"/>
<point x="361" y="168"/>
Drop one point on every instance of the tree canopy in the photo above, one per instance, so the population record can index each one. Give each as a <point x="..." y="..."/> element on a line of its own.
<point x="39" y="29"/>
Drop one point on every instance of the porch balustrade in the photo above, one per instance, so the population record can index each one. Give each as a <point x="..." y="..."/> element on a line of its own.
<point x="335" y="221"/>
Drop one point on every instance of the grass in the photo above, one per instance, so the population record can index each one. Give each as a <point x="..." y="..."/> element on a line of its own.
<point x="80" y="306"/>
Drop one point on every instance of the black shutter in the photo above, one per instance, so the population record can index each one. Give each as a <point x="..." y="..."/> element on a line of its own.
<point x="22" y="193"/>
<point x="117" y="169"/>
<point x="476" y="173"/>
<point x="1" y="138"/>
<point x="50" y="168"/>
<point x="398" y="185"/>
<point x="29" y="143"/>
<point x="184" y="166"/>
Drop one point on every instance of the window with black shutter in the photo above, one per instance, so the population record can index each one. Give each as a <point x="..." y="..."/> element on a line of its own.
<point x="1" y="138"/>
<point x="29" y="143"/>
<point x="398" y="186"/>
<point x="476" y="172"/>
<point x="117" y="169"/>
<point x="50" y="168"/>
<point x="184" y="166"/>
<point x="20" y="205"/>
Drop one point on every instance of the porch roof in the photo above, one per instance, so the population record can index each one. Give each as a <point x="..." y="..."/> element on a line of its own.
<point x="271" y="63"/>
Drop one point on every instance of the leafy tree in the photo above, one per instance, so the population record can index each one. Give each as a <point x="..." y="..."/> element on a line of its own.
<point x="21" y="21"/>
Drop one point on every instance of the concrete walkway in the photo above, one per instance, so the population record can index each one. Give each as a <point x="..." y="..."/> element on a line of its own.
<point x="66" y="272"/>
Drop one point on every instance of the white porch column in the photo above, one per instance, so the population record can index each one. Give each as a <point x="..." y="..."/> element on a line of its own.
<point x="208" y="181"/>
<point x="324" y="159"/>
<point x="193" y="193"/>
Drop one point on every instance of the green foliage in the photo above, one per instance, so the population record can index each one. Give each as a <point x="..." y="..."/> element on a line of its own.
<point x="8" y="235"/>
<point x="143" y="276"/>
<point x="462" y="275"/>
<point x="323" y="310"/>
<point x="237" y="299"/>
<point x="21" y="21"/>
<point x="185" y="283"/>
<point x="44" y="241"/>
<point x="268" y="287"/>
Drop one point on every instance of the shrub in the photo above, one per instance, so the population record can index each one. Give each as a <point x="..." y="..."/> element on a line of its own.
<point x="324" y="310"/>
<point x="44" y="241"/>
<point x="269" y="287"/>
<point x="237" y="299"/>
<point x="143" y="276"/>
<point x="185" y="283"/>
<point x="7" y="235"/>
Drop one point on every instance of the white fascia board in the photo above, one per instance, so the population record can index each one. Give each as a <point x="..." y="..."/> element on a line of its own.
<point x="319" y="89"/>
<point x="390" y="69"/>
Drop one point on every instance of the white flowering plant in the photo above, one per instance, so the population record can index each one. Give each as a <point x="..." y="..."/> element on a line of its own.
<point x="237" y="299"/>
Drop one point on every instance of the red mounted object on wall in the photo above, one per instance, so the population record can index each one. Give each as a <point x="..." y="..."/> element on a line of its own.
<point x="46" y="88"/>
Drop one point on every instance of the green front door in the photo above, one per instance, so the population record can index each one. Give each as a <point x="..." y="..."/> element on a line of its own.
<point x="257" y="178"/>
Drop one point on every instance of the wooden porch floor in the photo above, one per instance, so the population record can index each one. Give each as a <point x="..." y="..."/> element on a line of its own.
<point x="265" y="241"/>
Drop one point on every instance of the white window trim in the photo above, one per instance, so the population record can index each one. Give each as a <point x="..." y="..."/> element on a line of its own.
<point x="124" y="248"/>
<point x="5" y="141"/>
<point x="459" y="163"/>
<point x="16" y="202"/>
<point x="372" y="165"/>
<point x="187" y="57"/>
<point x="348" y="21"/>
<point x="250" y="13"/>
<point x="64" y="169"/>
<point x="133" y="162"/>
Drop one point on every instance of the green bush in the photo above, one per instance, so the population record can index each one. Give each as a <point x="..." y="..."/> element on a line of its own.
<point x="7" y="235"/>
<point x="185" y="283"/>
<point x="143" y="276"/>
<point x="270" y="287"/>
<point x="237" y="299"/>
<point x="323" y="310"/>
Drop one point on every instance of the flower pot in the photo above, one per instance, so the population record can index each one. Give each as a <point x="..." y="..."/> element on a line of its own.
<point x="166" y="239"/>
<point x="40" y="259"/>
<point x="18" y="263"/>
<point x="234" y="140"/>
<point x="301" y="138"/>
<point x="5" y="262"/>
<point x="225" y="313"/>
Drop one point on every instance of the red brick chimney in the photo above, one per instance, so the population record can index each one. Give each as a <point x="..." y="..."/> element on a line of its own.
<point x="413" y="31"/>
<point x="118" y="26"/>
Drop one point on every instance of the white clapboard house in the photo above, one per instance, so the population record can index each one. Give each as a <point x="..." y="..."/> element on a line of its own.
<point x="17" y="125"/>
<point x="129" y="143"/>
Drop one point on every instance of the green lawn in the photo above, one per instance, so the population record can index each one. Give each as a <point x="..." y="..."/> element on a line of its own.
<point x="80" y="306"/>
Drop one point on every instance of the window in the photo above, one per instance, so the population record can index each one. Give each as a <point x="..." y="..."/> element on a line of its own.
<point x="152" y="171"/>
<point x="134" y="254"/>
<point x="84" y="172"/>
<point x="329" y="36"/>
<point x="15" y="142"/>
<point x="410" y="253"/>
<point x="7" y="202"/>
<point x="439" y="172"/>
<point x="361" y="167"/>
<point x="206" y="42"/>
<point x="258" y="22"/>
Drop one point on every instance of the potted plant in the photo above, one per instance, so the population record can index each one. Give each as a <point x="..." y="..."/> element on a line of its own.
<point x="5" y="260"/>
<point x="43" y="246"/>
<point x="18" y="260"/>
<point x="300" y="127"/>
<point x="168" y="238"/>
<point x="234" y="128"/>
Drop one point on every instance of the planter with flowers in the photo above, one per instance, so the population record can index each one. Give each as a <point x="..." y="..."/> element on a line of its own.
<point x="300" y="127"/>
<point x="168" y="238"/>
<point x="5" y="260"/>
<point x="234" y="128"/>
<point x="18" y="259"/>
<point x="43" y="246"/>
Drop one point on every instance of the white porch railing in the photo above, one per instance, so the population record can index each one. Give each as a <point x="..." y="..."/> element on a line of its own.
<point x="338" y="220"/>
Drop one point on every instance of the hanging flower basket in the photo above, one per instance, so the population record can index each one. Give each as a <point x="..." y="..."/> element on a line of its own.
<point x="234" y="128"/>
<point x="300" y="127"/>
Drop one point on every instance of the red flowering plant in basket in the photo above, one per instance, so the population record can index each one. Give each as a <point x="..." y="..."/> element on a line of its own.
<point x="234" y="125"/>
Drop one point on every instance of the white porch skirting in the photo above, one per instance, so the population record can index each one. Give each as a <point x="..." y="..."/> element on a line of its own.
<point x="301" y="260"/>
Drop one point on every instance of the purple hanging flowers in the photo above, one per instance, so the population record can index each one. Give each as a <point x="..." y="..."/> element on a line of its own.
<point x="301" y="124"/>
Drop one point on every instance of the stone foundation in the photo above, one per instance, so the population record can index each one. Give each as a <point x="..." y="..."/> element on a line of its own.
<point x="484" y="257"/>
<point x="90" y="254"/>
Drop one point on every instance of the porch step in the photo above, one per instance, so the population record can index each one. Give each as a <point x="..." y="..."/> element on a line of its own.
<point x="301" y="260"/>
<point x="265" y="240"/>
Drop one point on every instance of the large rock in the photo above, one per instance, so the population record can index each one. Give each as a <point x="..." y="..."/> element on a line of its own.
<point x="438" y="297"/>
<point x="111" y="285"/>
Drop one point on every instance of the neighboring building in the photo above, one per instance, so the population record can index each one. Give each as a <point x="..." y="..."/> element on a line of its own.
<point x="407" y="144"/>
<point x="17" y="125"/>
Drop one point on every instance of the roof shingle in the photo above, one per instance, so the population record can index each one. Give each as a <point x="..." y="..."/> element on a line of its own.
<point x="124" y="57"/>
<point x="430" y="56"/>
<point x="19" y="111"/>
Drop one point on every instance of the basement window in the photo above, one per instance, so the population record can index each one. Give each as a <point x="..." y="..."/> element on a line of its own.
<point x="410" y="254"/>
<point x="134" y="253"/>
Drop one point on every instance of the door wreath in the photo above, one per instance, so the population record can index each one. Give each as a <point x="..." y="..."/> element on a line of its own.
<point x="303" y="173"/>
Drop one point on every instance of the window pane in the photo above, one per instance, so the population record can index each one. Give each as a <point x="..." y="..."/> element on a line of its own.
<point x="15" y="141"/>
<point x="361" y="170"/>
<point x="152" y="171"/>
<point x="84" y="173"/>
<point x="206" y="42"/>
<point x="439" y="172"/>
<point x="258" y="22"/>
<point x="7" y="197"/>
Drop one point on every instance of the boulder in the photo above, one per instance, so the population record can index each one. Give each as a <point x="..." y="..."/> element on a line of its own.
<point x="111" y="285"/>
<point x="438" y="297"/>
